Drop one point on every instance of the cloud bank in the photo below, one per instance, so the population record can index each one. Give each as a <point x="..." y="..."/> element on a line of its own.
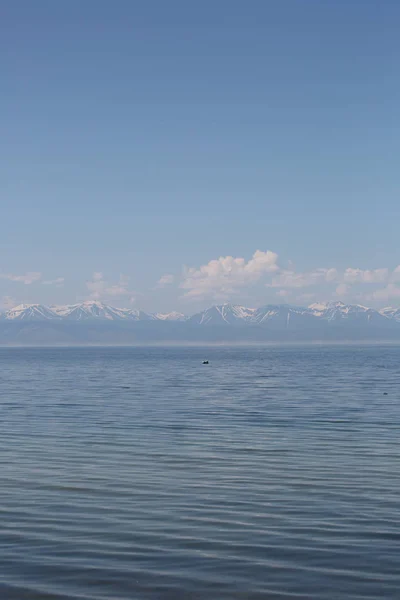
<point x="27" y="278"/>
<point x="165" y="280"/>
<point x="224" y="276"/>
<point x="261" y="276"/>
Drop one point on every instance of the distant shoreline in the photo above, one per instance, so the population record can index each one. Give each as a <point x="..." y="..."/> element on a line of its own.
<point x="272" y="344"/>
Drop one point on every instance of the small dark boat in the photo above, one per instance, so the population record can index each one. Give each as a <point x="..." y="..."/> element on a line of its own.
<point x="205" y="362"/>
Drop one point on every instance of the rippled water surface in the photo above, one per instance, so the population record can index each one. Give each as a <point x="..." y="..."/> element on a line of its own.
<point x="129" y="473"/>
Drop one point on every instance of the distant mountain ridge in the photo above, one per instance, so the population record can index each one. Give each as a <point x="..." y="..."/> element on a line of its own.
<point x="95" y="322"/>
<point x="78" y="312"/>
<point x="228" y="314"/>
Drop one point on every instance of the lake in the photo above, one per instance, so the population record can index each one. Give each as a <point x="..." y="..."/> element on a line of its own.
<point x="140" y="473"/>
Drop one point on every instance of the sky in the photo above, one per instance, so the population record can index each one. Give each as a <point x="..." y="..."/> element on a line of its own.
<point x="173" y="155"/>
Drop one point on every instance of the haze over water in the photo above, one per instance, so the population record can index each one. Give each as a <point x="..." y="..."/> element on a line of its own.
<point x="272" y="472"/>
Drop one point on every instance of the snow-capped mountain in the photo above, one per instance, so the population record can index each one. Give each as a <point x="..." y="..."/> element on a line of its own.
<point x="30" y="312"/>
<point x="276" y="316"/>
<point x="224" y="314"/>
<point x="391" y="313"/>
<point x="89" y="310"/>
<point x="93" y="309"/>
<point x="95" y="322"/>
<point x="282" y="315"/>
<point x="139" y="315"/>
<point x="338" y="311"/>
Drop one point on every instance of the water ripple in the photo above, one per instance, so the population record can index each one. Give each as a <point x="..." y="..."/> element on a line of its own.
<point x="137" y="473"/>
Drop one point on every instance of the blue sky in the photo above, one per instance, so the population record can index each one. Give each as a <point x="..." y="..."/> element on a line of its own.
<point x="143" y="141"/>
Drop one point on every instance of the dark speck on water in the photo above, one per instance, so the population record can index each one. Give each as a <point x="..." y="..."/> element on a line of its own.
<point x="274" y="476"/>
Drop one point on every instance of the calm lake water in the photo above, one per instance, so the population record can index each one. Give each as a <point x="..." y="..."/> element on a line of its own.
<point x="130" y="473"/>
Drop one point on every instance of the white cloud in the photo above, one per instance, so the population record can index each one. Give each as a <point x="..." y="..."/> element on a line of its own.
<point x="262" y="262"/>
<point x="342" y="289"/>
<point x="291" y="279"/>
<point x="396" y="274"/>
<point x="117" y="290"/>
<point x="283" y="293"/>
<point x="330" y="274"/>
<point x="390" y="291"/>
<point x="8" y="302"/>
<point x="96" y="286"/>
<point x="365" y="276"/>
<point x="350" y="276"/>
<point x="59" y="281"/>
<point x="226" y="275"/>
<point x="27" y="279"/>
<point x="120" y="288"/>
<point x="100" y="288"/>
<point x="165" y="280"/>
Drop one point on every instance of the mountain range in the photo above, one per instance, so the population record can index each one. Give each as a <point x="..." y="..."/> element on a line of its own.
<point x="93" y="322"/>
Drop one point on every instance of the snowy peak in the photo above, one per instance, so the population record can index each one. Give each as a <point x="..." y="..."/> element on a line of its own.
<point x="269" y="312"/>
<point x="391" y="313"/>
<point x="275" y="317"/>
<point x="321" y="306"/>
<point x="355" y="314"/>
<point x="273" y="310"/>
<point x="339" y="310"/>
<point x="30" y="312"/>
<point x="284" y="316"/>
<point x="318" y="308"/>
<point x="223" y="314"/>
<point x="98" y="310"/>
<point x="137" y="315"/>
<point x="90" y="310"/>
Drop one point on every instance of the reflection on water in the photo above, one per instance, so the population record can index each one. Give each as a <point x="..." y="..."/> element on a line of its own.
<point x="142" y="473"/>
